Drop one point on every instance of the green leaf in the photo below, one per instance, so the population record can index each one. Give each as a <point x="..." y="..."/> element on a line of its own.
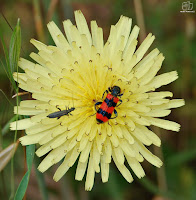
<point x="182" y="157"/>
<point x="9" y="75"/>
<point x="13" y="55"/>
<point x="14" y="48"/>
<point x="22" y="187"/>
<point x="6" y="127"/>
<point x="30" y="152"/>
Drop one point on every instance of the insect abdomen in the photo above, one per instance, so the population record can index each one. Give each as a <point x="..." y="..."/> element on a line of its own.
<point x="56" y="114"/>
<point x="61" y="113"/>
<point x="106" y="109"/>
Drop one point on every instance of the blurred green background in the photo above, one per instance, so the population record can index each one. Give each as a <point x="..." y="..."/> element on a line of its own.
<point x="175" y="37"/>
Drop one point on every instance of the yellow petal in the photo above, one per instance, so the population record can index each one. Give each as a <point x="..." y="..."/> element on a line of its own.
<point x="144" y="46"/>
<point x="82" y="25"/>
<point x="136" y="167"/>
<point x="62" y="169"/>
<point x="58" y="37"/>
<point x="148" y="155"/>
<point x="21" y="124"/>
<point x="163" y="79"/>
<point x="90" y="175"/>
<point x="123" y="170"/>
<point x="80" y="171"/>
<point x="166" y="124"/>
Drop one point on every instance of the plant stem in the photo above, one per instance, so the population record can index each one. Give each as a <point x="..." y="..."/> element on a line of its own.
<point x="161" y="177"/>
<point x="38" y="20"/>
<point x="140" y="19"/>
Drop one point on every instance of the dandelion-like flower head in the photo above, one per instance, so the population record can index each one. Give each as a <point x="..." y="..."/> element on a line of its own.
<point x="75" y="73"/>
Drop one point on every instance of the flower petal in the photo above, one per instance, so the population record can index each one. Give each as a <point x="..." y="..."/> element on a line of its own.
<point x="82" y="25"/>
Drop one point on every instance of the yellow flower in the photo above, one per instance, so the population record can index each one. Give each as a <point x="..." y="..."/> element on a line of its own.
<point x="75" y="73"/>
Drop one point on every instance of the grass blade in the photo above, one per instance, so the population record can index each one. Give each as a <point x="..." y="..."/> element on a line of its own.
<point x="30" y="152"/>
<point x="14" y="48"/>
<point x="6" y="128"/>
<point x="181" y="158"/>
<point x="12" y="56"/>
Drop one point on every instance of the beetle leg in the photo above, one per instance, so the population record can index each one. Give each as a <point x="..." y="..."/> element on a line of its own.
<point x="116" y="114"/>
<point x="119" y="103"/>
<point x="91" y="115"/>
<point x="121" y="94"/>
<point x="58" y="107"/>
<point x="106" y="91"/>
<point x="98" y="103"/>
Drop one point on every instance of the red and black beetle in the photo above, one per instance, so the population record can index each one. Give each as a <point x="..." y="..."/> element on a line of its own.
<point x="107" y="107"/>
